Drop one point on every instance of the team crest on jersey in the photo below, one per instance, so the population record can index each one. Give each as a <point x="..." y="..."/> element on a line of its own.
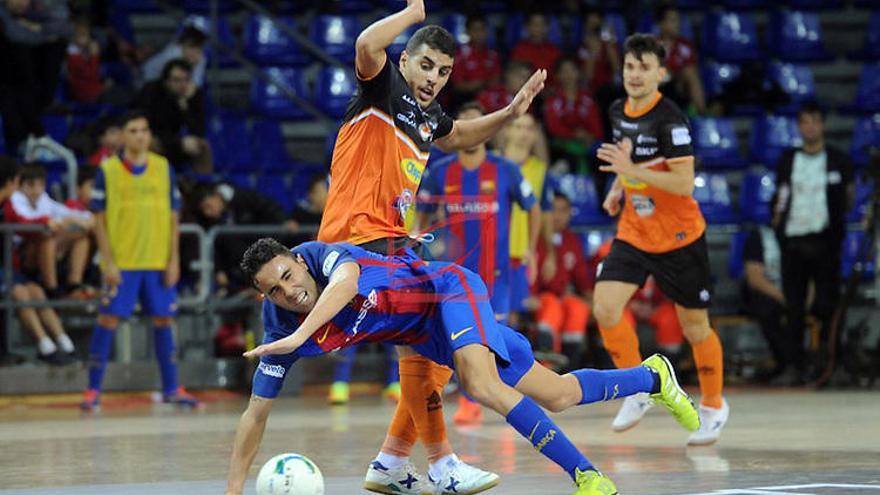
<point x="425" y="132"/>
<point x="413" y="170"/>
<point x="403" y="203"/>
<point x="643" y="205"/>
<point x="487" y="186"/>
<point x="631" y="183"/>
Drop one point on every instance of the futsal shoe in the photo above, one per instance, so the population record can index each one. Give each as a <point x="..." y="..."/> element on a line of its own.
<point x="591" y="482"/>
<point x="340" y="392"/>
<point x="469" y="413"/>
<point x="631" y="412"/>
<point x="459" y="478"/>
<point x="91" y="401"/>
<point x="403" y="480"/>
<point x="392" y="392"/>
<point x="671" y="394"/>
<point x="181" y="397"/>
<point x="712" y="422"/>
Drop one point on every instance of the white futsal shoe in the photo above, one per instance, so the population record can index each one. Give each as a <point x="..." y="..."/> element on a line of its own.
<point x="712" y="421"/>
<point x="632" y="411"/>
<point x="459" y="478"/>
<point x="403" y="480"/>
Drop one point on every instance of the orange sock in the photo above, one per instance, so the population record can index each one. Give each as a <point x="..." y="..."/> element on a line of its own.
<point x="709" y="359"/>
<point x="622" y="343"/>
<point x="421" y="383"/>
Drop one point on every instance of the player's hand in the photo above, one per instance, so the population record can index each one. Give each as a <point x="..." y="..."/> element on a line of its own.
<point x="528" y="92"/>
<point x="172" y="274"/>
<point x="548" y="270"/>
<point x="618" y="157"/>
<point x="417" y="7"/>
<point x="112" y="278"/>
<point x="612" y="202"/>
<point x="283" y="346"/>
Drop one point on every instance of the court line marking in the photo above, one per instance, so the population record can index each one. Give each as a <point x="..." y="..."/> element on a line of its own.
<point x="783" y="489"/>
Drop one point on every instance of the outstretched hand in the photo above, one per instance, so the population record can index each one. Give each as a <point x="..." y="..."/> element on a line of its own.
<point x="528" y="92"/>
<point x="417" y="7"/>
<point x="283" y="346"/>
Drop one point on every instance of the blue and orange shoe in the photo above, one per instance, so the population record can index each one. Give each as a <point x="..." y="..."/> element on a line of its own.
<point x="91" y="400"/>
<point x="182" y="398"/>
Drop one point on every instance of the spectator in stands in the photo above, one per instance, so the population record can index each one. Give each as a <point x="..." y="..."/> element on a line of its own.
<point x="684" y="84"/>
<point x="32" y="34"/>
<point x="85" y="182"/>
<point x="175" y="107"/>
<point x="8" y="185"/>
<point x="598" y="53"/>
<point x="762" y="296"/>
<point x="68" y="232"/>
<point x="494" y="98"/>
<point x="189" y="46"/>
<point x="42" y="322"/>
<point x="814" y="191"/>
<point x="84" y="64"/>
<point x="310" y="209"/>
<point x="476" y="65"/>
<point x="573" y="119"/>
<point x="536" y="49"/>
<point x="109" y="140"/>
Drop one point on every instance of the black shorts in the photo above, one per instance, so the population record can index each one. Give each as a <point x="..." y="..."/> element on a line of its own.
<point x="682" y="274"/>
<point x="389" y="246"/>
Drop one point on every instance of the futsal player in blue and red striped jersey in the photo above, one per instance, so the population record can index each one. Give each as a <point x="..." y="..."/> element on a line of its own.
<point x="321" y="297"/>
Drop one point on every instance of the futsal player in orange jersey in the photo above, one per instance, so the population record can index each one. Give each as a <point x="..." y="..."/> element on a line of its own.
<point x="377" y="165"/>
<point x="661" y="232"/>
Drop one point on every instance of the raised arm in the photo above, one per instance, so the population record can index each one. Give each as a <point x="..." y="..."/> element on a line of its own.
<point x="371" y="44"/>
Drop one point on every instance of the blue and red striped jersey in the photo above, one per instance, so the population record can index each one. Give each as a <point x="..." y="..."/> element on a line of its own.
<point x="476" y="206"/>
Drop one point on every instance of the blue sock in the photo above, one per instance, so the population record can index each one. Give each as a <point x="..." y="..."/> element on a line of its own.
<point x="345" y="364"/>
<point x="393" y="374"/>
<point x="99" y="352"/>
<point x="163" y="344"/>
<point x="532" y="422"/>
<point x="601" y="385"/>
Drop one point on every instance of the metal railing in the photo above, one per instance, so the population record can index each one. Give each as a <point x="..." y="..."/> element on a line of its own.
<point x="58" y="149"/>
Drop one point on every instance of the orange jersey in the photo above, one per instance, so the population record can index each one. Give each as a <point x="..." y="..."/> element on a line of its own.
<point x="379" y="159"/>
<point x="654" y="220"/>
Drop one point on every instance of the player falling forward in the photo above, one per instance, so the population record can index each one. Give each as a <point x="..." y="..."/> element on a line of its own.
<point x="321" y="297"/>
<point x="661" y="233"/>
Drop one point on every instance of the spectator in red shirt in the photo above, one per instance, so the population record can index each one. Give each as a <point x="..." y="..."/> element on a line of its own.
<point x="536" y="49"/>
<point x="684" y="85"/>
<point x="85" y="180"/>
<point x="598" y="53"/>
<point x="476" y="65"/>
<point x="499" y="96"/>
<point x="84" y="64"/>
<point x="563" y="311"/>
<point x="109" y="141"/>
<point x="572" y="118"/>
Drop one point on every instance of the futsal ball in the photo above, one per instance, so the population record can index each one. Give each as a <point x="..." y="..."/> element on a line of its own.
<point x="290" y="474"/>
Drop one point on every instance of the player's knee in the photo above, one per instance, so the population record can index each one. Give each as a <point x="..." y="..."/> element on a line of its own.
<point x="476" y="386"/>
<point x="695" y="327"/>
<point x="161" y="321"/>
<point x="109" y="322"/>
<point x="608" y="313"/>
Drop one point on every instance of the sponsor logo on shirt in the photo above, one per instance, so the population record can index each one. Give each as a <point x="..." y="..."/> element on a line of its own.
<point x="426" y="131"/>
<point x="643" y="205"/>
<point x="329" y="261"/>
<point x="473" y="207"/>
<point x="487" y="186"/>
<point x="413" y="170"/>
<point x="409" y="99"/>
<point x="645" y="150"/>
<point x="274" y="370"/>
<point x="369" y="303"/>
<point x="403" y="202"/>
<point x="630" y="183"/>
<point x="408" y="118"/>
<point x="633" y="126"/>
<point x="643" y="139"/>
<point x="681" y="136"/>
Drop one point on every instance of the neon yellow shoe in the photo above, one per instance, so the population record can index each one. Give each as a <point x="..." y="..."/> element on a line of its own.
<point x="392" y="392"/>
<point x="671" y="394"/>
<point x="339" y="393"/>
<point x="593" y="483"/>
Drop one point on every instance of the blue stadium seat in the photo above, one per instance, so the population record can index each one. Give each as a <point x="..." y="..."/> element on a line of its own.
<point x="268" y="145"/>
<point x="615" y="24"/>
<point x="713" y="194"/>
<point x="730" y="37"/>
<point x="586" y="205"/>
<point x="351" y="6"/>
<point x="229" y="140"/>
<point x="716" y="75"/>
<point x="755" y="196"/>
<point x="745" y="4"/>
<point x="56" y="126"/>
<point x="204" y="6"/>
<point x="870" y="49"/>
<point x="647" y="24"/>
<point x="854" y="250"/>
<point x="457" y="25"/>
<point x="302" y="177"/>
<point x="866" y="135"/>
<point x="120" y="22"/>
<point x="224" y="36"/>
<point x="515" y="30"/>
<point x="277" y="186"/>
<point x="240" y="179"/>
<point x="268" y="45"/>
<point x="796" y="36"/>
<point x="268" y="99"/>
<point x="336" y="35"/>
<point x="868" y="97"/>
<point x="715" y="143"/>
<point x="334" y="87"/>
<point x="771" y="135"/>
<point x="690" y="4"/>
<point x="814" y="4"/>
<point x="797" y="82"/>
<point x="735" y="261"/>
<point x="135" y="5"/>
<point x="864" y="192"/>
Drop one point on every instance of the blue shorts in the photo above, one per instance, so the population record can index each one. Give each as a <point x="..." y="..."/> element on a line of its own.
<point x="145" y="286"/>
<point x="519" y="287"/>
<point x="466" y="317"/>
<point x="500" y="296"/>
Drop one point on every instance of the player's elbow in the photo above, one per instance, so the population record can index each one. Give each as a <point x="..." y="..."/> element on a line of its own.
<point x="364" y="46"/>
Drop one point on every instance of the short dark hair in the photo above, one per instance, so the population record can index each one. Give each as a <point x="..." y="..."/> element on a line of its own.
<point x="202" y="191"/>
<point x="474" y="18"/>
<point x="177" y="63"/>
<point x="32" y="171"/>
<point x="641" y="44"/>
<point x="192" y="35"/>
<point x="106" y="123"/>
<point x="8" y="169"/>
<point x="260" y="253"/>
<point x="85" y="174"/>
<point x="661" y="10"/>
<point x="471" y="105"/>
<point x="811" y="108"/>
<point x="435" y="37"/>
<point x="565" y="59"/>
<point x="132" y="115"/>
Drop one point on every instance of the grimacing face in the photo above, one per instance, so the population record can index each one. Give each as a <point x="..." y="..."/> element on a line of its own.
<point x="287" y="283"/>
<point x="641" y="78"/>
<point x="427" y="71"/>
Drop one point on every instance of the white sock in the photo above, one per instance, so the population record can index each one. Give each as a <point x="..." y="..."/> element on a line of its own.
<point x="65" y="343"/>
<point x="46" y="346"/>
<point x="391" y="461"/>
<point x="436" y="469"/>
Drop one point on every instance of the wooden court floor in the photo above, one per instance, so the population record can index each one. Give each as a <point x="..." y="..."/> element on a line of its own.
<point x="797" y="443"/>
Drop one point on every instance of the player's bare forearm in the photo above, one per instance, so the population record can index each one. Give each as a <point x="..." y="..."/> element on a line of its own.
<point x="472" y="132"/>
<point x="372" y="42"/>
<point x="679" y="179"/>
<point x="757" y="280"/>
<point x="102" y="240"/>
<point x="248" y="436"/>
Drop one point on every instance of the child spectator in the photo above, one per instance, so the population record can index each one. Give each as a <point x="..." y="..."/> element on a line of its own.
<point x="499" y="96"/>
<point x="40" y="320"/>
<point x="598" y="53"/>
<point x="68" y="231"/>
<point x="535" y="49"/>
<point x="684" y="84"/>
<point x="84" y="63"/>
<point x="476" y="65"/>
<point x="109" y="141"/>
<point x="85" y="180"/>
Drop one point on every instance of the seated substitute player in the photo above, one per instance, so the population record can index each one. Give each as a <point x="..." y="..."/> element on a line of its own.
<point x="321" y="297"/>
<point x="661" y="232"/>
